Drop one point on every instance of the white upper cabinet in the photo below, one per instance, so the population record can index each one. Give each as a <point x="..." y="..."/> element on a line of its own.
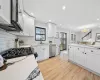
<point x="52" y="29"/>
<point x="29" y="27"/>
<point x="5" y="14"/>
<point x="20" y="14"/>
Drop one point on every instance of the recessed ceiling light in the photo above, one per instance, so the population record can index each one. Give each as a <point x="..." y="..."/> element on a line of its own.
<point x="98" y="19"/>
<point x="64" y="7"/>
<point x="32" y="14"/>
<point x="49" y="20"/>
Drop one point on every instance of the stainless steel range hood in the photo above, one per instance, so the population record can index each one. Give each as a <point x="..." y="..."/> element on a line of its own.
<point x="9" y="18"/>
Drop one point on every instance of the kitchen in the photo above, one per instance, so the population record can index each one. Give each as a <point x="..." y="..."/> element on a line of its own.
<point x="37" y="38"/>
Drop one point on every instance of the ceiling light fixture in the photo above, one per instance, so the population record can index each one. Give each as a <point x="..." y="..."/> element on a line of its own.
<point x="49" y="20"/>
<point x="32" y="14"/>
<point x="85" y="30"/>
<point x="98" y="19"/>
<point x="64" y="7"/>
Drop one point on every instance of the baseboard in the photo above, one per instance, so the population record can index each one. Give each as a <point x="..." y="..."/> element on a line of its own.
<point x="85" y="68"/>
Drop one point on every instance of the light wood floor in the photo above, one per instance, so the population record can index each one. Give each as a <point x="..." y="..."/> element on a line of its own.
<point x="57" y="69"/>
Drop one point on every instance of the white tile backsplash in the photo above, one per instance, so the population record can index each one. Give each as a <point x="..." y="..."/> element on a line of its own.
<point x="6" y="40"/>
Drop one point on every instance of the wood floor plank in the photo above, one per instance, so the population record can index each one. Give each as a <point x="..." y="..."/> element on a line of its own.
<point x="57" y="69"/>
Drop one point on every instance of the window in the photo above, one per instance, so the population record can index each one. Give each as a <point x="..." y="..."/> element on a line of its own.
<point x="72" y="36"/>
<point x="40" y="34"/>
<point x="63" y="38"/>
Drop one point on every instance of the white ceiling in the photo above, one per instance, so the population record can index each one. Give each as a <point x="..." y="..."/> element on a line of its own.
<point x="77" y="13"/>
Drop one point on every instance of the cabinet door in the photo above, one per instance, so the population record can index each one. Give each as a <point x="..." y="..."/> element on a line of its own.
<point x="57" y="50"/>
<point x="46" y="51"/>
<point x="71" y="53"/>
<point x="80" y="56"/>
<point x="20" y="20"/>
<point x="51" y="30"/>
<point x="28" y="25"/>
<point x="32" y="27"/>
<point x="40" y="53"/>
<point x="5" y="10"/>
<point x="54" y="30"/>
<point x="93" y="58"/>
<point x="20" y="14"/>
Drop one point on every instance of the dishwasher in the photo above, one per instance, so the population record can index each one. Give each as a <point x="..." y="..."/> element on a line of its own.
<point x="52" y="50"/>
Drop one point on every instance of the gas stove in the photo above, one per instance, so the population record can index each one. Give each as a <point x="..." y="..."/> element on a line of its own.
<point x="17" y="52"/>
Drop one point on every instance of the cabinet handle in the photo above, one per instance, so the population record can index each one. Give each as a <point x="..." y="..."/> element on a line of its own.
<point x="91" y="51"/>
<point x="78" y="48"/>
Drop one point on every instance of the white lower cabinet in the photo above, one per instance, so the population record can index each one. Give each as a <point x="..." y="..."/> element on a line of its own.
<point x="42" y="51"/>
<point x="93" y="58"/>
<point x="87" y="57"/>
<point x="71" y="53"/>
<point x="79" y="56"/>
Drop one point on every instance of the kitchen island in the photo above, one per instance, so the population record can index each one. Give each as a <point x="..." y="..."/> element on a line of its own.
<point x="21" y="68"/>
<point x="87" y="56"/>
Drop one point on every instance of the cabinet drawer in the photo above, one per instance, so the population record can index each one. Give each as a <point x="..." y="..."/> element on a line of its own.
<point x="92" y="51"/>
<point x="79" y="49"/>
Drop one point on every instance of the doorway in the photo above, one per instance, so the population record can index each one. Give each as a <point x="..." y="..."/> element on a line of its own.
<point x="63" y="40"/>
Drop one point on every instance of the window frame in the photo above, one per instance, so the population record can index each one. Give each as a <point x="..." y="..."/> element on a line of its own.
<point x="40" y="33"/>
<point x="65" y="39"/>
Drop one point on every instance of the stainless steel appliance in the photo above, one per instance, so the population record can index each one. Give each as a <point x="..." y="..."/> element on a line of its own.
<point x="52" y="50"/>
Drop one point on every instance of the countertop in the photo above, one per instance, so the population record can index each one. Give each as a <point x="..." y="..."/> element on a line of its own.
<point x="86" y="46"/>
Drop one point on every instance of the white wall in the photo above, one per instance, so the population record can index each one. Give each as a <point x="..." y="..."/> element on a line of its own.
<point x="94" y="31"/>
<point x="6" y="40"/>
